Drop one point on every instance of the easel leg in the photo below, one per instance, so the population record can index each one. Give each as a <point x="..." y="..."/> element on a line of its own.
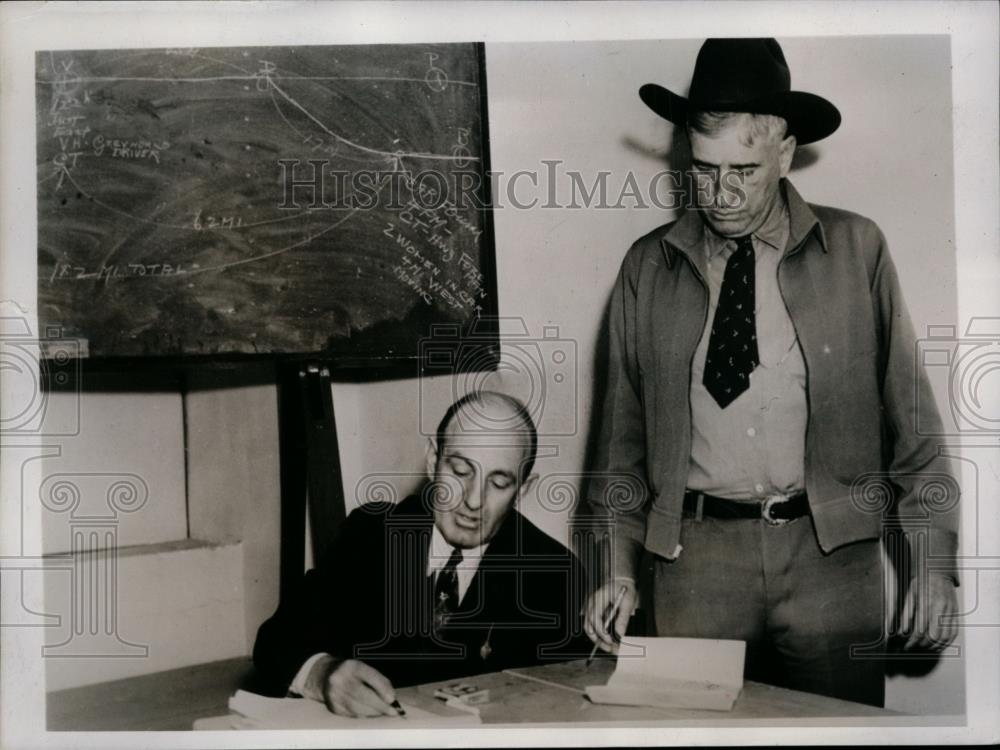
<point x="292" y="458"/>
<point x="310" y="467"/>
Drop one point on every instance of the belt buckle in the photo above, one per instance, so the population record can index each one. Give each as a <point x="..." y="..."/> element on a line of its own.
<point x="768" y="503"/>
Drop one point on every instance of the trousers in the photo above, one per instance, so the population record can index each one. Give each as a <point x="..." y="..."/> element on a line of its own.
<point x="806" y="616"/>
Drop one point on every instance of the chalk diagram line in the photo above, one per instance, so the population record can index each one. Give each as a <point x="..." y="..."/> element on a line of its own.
<point x="147" y="79"/>
<point x="367" y="149"/>
<point x="393" y="157"/>
<point x="336" y="152"/>
<point x="273" y="253"/>
<point x="189" y="227"/>
<point x="248" y="77"/>
<point x="134" y="53"/>
<point x="291" y="76"/>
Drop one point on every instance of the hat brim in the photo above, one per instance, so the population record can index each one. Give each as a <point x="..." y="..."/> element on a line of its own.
<point x="810" y="117"/>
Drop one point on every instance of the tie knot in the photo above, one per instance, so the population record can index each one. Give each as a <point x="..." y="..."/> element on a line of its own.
<point x="744" y="243"/>
<point x="455" y="559"/>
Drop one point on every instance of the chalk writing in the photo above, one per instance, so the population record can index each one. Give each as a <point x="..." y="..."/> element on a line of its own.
<point x="435" y="78"/>
<point x="67" y="125"/>
<point x="461" y="151"/>
<point x="318" y="144"/>
<point x="122" y="148"/>
<point x="109" y="272"/>
<point x="216" y="222"/>
<point x="413" y="283"/>
<point x="424" y="275"/>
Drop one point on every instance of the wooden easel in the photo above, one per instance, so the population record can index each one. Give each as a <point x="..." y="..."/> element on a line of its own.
<point x="309" y="467"/>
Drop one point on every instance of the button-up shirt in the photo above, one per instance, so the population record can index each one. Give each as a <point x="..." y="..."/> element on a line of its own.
<point x="867" y="396"/>
<point x="440" y="552"/>
<point x="756" y="445"/>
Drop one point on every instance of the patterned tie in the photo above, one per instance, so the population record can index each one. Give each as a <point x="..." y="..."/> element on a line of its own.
<point x="446" y="589"/>
<point x="732" y="348"/>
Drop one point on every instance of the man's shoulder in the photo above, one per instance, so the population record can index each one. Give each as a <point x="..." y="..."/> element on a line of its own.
<point x="853" y="239"/>
<point x="652" y="240"/>
<point x="647" y="248"/>
<point x="839" y="220"/>
<point x="530" y="541"/>
<point x="378" y="513"/>
<point x="654" y="235"/>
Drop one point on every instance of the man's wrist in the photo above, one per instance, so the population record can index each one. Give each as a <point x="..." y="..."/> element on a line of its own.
<point x="626" y="559"/>
<point x="315" y="681"/>
<point x="947" y="576"/>
<point x="928" y="574"/>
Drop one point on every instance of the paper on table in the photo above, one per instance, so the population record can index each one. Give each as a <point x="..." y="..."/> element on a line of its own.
<point x="302" y="713"/>
<point x="676" y="673"/>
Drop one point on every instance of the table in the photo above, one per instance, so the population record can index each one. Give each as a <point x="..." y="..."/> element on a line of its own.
<point x="173" y="700"/>
<point x="553" y="693"/>
<point x="170" y="700"/>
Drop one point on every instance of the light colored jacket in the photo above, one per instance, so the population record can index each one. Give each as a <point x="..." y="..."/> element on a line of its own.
<point x="862" y="449"/>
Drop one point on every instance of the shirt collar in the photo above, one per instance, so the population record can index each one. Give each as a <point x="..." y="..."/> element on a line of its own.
<point x="440" y="552"/>
<point x="772" y="233"/>
<point x="801" y="219"/>
<point x="687" y="234"/>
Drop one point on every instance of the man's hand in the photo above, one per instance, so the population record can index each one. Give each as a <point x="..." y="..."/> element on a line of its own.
<point x="352" y="688"/>
<point x="928" y="612"/>
<point x="599" y="607"/>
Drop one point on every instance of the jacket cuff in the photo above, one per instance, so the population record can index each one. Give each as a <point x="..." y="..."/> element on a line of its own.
<point x="301" y="685"/>
<point x="627" y="553"/>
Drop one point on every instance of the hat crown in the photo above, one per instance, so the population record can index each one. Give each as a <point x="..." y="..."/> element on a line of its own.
<point x="746" y="75"/>
<point x="733" y="71"/>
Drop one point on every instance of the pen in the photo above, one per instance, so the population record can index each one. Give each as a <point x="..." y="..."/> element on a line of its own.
<point x="609" y="617"/>
<point x="399" y="708"/>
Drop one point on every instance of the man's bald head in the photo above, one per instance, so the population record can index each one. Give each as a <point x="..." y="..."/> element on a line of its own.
<point x="491" y="412"/>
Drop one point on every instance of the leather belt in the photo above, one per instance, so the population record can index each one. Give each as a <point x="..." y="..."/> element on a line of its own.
<point x="777" y="510"/>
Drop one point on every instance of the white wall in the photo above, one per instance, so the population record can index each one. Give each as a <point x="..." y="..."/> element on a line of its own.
<point x="233" y="485"/>
<point x="105" y="445"/>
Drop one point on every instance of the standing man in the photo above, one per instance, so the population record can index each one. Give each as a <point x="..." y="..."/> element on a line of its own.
<point x="761" y="385"/>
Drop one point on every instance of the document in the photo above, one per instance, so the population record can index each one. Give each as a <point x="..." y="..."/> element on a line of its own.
<point x="258" y="712"/>
<point x="675" y="673"/>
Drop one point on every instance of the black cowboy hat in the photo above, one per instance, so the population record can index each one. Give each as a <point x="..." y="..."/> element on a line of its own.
<point x="746" y="75"/>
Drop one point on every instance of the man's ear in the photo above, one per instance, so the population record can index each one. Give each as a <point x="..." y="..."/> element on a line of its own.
<point x="430" y="458"/>
<point x="786" y="153"/>
<point x="526" y="486"/>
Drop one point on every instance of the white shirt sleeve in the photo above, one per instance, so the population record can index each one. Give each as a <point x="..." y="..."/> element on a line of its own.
<point x="298" y="686"/>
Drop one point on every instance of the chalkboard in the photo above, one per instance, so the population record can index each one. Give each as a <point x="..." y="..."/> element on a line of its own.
<point x="327" y="201"/>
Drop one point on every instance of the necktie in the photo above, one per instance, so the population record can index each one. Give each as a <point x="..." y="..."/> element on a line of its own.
<point x="446" y="589"/>
<point x="732" y="348"/>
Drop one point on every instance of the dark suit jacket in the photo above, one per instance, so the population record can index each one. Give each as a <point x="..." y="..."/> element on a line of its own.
<point x="372" y="601"/>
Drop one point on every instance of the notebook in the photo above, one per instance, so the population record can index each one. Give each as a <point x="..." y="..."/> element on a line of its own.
<point x="258" y="712"/>
<point x="675" y="673"/>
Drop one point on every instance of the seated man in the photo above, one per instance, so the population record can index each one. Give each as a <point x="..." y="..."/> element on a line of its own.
<point x="448" y="583"/>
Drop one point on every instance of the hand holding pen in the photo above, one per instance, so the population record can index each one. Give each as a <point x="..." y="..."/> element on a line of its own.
<point x="606" y="621"/>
